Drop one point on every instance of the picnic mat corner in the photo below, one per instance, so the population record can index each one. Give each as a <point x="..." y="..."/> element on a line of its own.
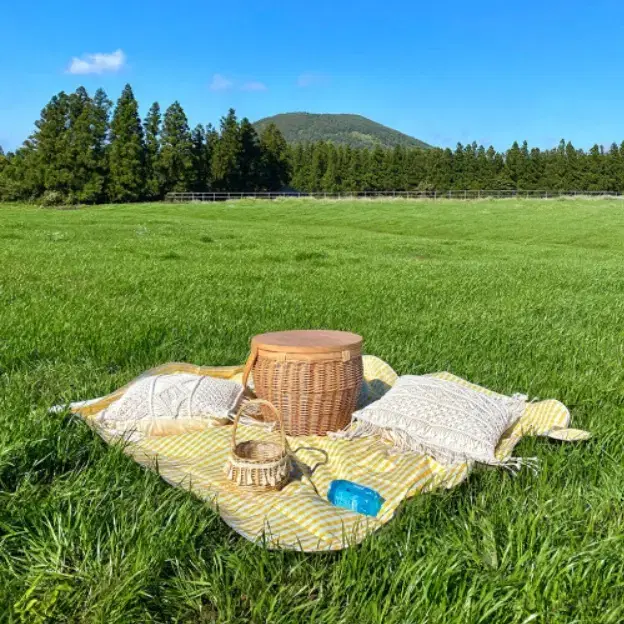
<point x="299" y="517"/>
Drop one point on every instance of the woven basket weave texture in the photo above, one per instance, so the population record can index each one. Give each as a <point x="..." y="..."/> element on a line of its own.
<point x="312" y="378"/>
<point x="259" y="465"/>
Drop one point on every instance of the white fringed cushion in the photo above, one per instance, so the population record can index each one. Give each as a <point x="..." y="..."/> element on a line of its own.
<point x="170" y="404"/>
<point x="441" y="418"/>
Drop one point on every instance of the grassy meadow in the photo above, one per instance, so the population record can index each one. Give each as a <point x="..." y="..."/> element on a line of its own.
<point x="519" y="296"/>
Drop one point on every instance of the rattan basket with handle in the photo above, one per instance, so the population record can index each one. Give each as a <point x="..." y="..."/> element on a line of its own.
<point x="312" y="377"/>
<point x="259" y="465"/>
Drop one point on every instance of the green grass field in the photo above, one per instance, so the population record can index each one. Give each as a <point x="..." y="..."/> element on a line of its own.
<point x="523" y="296"/>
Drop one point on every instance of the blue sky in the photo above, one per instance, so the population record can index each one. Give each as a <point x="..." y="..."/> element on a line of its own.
<point x="443" y="71"/>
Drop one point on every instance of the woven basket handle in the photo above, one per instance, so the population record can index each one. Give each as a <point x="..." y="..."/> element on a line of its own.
<point x="251" y="360"/>
<point x="273" y="409"/>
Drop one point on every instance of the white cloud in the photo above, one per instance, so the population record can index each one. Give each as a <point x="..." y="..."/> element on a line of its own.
<point x="220" y="83"/>
<point x="97" y="63"/>
<point x="254" y="85"/>
<point x="312" y="79"/>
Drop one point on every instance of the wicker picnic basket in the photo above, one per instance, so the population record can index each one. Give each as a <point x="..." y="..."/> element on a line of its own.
<point x="259" y="465"/>
<point x="312" y="377"/>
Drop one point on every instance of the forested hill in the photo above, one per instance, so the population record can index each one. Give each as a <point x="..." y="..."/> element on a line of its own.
<point x="352" y="130"/>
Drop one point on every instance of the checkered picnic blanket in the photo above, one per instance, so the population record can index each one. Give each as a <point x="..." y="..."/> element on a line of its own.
<point x="299" y="517"/>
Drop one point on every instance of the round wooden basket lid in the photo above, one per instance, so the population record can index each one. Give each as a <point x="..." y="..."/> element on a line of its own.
<point x="308" y="341"/>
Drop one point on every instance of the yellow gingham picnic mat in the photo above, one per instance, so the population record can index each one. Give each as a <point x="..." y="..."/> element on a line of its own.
<point x="299" y="517"/>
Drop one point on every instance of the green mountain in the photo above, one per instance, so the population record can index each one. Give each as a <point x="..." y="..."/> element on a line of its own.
<point x="353" y="130"/>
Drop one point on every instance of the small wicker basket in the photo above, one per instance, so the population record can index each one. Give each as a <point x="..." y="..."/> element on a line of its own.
<point x="258" y="465"/>
<point x="312" y="377"/>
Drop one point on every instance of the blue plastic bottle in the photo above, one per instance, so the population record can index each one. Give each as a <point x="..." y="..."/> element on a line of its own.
<point x="355" y="497"/>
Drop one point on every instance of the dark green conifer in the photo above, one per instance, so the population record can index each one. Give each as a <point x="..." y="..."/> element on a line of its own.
<point x="275" y="165"/>
<point x="176" y="151"/>
<point x="200" y="159"/>
<point x="226" y="159"/>
<point x="250" y="159"/>
<point x="151" y="125"/>
<point x="127" y="151"/>
<point x="330" y="181"/>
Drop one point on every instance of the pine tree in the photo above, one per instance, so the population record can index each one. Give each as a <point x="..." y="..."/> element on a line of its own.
<point x="481" y="171"/>
<point x="471" y="180"/>
<point x="250" y="157"/>
<point x="46" y="153"/>
<point x="573" y="176"/>
<point x="78" y="143"/>
<point x="503" y="180"/>
<point x="556" y="172"/>
<point x="87" y="133"/>
<point x="524" y="182"/>
<point x="308" y="161"/>
<point x="415" y="168"/>
<point x="275" y="162"/>
<point x="100" y="133"/>
<point x="513" y="166"/>
<point x="613" y="166"/>
<point x="377" y="169"/>
<point x="298" y="161"/>
<point x="349" y="170"/>
<point x="226" y="159"/>
<point x="367" y="182"/>
<point x="608" y="181"/>
<point x="395" y="174"/>
<point x="618" y="171"/>
<point x="330" y="182"/>
<point x="534" y="177"/>
<point x="458" y="182"/>
<point x="200" y="161"/>
<point x="317" y="167"/>
<point x="595" y="173"/>
<point x="151" y="124"/>
<point x="23" y="176"/>
<point x="495" y="166"/>
<point x="438" y="170"/>
<point x="4" y="163"/>
<point x="343" y="158"/>
<point x="176" y="151"/>
<point x="212" y="138"/>
<point x="127" y="151"/>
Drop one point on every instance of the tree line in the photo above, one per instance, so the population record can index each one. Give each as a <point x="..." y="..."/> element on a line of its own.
<point x="328" y="168"/>
<point x="85" y="151"/>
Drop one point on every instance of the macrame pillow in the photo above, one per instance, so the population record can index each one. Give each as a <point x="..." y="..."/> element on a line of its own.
<point x="171" y="404"/>
<point x="441" y="418"/>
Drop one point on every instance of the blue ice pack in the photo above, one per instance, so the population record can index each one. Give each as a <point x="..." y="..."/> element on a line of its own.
<point x="355" y="497"/>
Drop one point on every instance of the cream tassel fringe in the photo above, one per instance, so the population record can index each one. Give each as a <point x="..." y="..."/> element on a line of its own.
<point x="402" y="443"/>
